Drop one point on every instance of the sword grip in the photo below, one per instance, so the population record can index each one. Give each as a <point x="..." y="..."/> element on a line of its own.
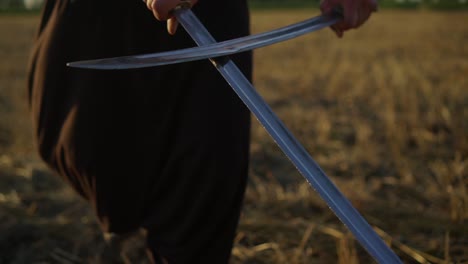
<point x="338" y="12"/>
<point x="184" y="4"/>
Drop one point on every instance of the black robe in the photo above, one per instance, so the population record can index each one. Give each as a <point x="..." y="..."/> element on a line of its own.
<point x="164" y="148"/>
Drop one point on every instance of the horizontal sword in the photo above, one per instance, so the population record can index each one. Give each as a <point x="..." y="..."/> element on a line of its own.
<point x="213" y="50"/>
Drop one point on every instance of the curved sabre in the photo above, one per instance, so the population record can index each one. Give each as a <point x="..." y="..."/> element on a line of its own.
<point x="214" y="50"/>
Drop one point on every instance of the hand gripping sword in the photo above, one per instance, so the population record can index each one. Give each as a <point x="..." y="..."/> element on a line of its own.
<point x="217" y="52"/>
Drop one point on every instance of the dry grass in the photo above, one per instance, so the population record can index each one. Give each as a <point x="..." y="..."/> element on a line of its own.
<point x="384" y="111"/>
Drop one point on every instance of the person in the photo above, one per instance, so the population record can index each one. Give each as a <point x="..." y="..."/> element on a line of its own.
<point x="163" y="149"/>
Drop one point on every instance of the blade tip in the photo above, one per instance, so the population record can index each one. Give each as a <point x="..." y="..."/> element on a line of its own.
<point x="77" y="65"/>
<point x="85" y="65"/>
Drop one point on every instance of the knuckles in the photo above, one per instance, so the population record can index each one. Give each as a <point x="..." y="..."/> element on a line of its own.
<point x="356" y="12"/>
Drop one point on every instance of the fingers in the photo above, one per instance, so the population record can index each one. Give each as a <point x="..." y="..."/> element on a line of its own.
<point x="162" y="10"/>
<point x="355" y="13"/>
<point x="339" y="33"/>
<point x="327" y="6"/>
<point x="365" y="11"/>
<point x="172" y="24"/>
<point x="350" y="14"/>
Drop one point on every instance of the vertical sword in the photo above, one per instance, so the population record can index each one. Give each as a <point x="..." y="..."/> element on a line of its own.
<point x="338" y="203"/>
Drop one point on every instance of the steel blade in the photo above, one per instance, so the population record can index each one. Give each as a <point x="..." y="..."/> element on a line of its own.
<point x="291" y="146"/>
<point x="216" y="49"/>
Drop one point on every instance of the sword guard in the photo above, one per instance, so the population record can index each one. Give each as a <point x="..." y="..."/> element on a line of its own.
<point x="184" y="4"/>
<point x="338" y="11"/>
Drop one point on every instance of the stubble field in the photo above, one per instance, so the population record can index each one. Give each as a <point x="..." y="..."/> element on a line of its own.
<point x="384" y="111"/>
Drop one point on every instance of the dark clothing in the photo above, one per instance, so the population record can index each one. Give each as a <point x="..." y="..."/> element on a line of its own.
<point x="163" y="148"/>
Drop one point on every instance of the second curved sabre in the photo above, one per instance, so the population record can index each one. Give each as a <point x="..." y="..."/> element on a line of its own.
<point x="218" y="49"/>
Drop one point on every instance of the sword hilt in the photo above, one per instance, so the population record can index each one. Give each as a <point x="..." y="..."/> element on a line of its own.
<point x="184" y="4"/>
<point x="338" y="11"/>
